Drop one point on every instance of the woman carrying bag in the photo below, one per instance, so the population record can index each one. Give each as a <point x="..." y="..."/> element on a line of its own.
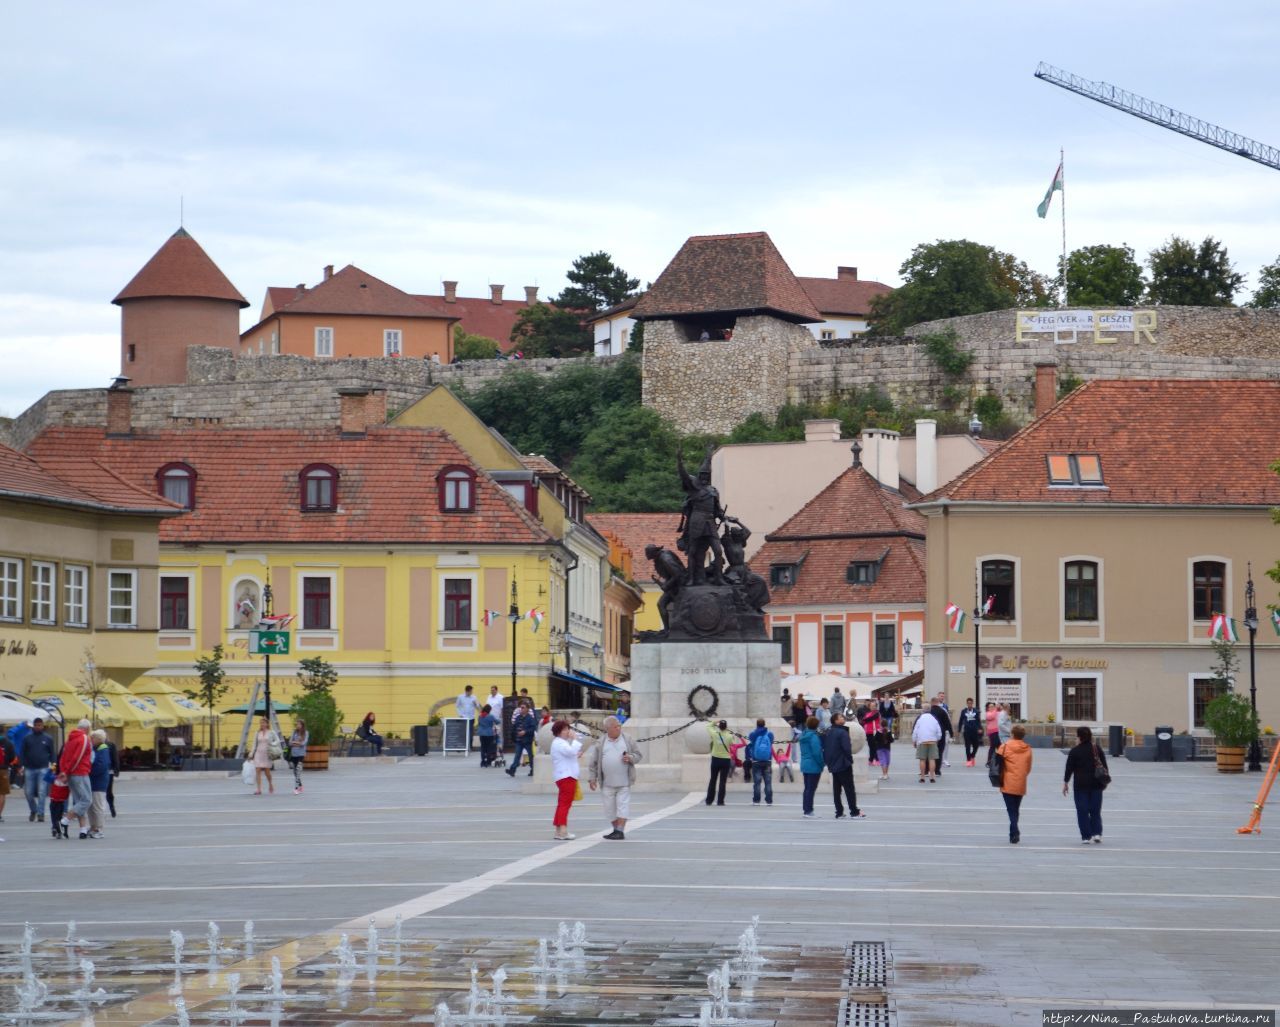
<point x="1088" y="766"/>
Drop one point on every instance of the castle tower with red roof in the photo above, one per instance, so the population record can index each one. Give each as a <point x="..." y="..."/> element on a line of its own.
<point x="180" y="298"/>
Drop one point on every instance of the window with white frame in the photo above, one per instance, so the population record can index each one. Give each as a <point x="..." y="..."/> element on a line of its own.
<point x="457" y="604"/>
<point x="75" y="596"/>
<point x="1203" y="691"/>
<point x="324" y="342"/>
<point x="122" y="599"/>
<point x="317" y="603"/>
<point x="391" y="342"/>
<point x="828" y="334"/>
<point x="1079" y="698"/>
<point x="44" y="578"/>
<point x="886" y="643"/>
<point x="10" y="589"/>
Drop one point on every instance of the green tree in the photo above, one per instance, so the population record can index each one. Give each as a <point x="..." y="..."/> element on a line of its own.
<point x="1193" y="276"/>
<point x="952" y="277"/>
<point x="92" y="684"/>
<point x="467" y="346"/>
<point x="317" y="675"/>
<point x="627" y="462"/>
<point x="597" y="283"/>
<point x="1267" y="295"/>
<point x="545" y="331"/>
<point x="1103" y="276"/>
<point x="212" y="688"/>
<point x="635" y="342"/>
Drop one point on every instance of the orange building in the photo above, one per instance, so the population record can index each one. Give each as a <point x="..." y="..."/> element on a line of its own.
<point x="180" y="298"/>
<point x="349" y="314"/>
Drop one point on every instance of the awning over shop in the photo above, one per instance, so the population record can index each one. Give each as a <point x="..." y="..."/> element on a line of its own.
<point x="62" y="696"/>
<point x="585" y="680"/>
<point x="132" y="711"/>
<point x="169" y="702"/>
<point x="900" y="686"/>
<point x="261" y="709"/>
<point x="18" y="711"/>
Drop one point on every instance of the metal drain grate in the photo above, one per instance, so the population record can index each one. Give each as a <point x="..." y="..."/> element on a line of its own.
<point x="865" y="1014"/>
<point x="868" y="966"/>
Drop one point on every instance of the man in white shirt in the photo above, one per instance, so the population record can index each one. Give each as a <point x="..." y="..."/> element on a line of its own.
<point x="611" y="766"/>
<point x="466" y="705"/>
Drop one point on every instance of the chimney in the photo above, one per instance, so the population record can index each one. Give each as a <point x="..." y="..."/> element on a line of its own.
<point x="300" y="288"/>
<point x="531" y="294"/>
<point x="119" y="409"/>
<point x="850" y="273"/>
<point x="495" y="293"/>
<point x="1046" y="392"/>
<point x="822" y="431"/>
<point x="880" y="455"/>
<point x="328" y="272"/>
<point x="450" y="292"/>
<point x="926" y="455"/>
<point x="361" y="409"/>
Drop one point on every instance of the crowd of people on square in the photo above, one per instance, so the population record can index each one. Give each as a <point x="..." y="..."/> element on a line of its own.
<point x="75" y="784"/>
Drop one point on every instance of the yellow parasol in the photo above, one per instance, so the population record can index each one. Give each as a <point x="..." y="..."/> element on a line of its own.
<point x="167" y="701"/>
<point x="62" y="695"/>
<point x="131" y="710"/>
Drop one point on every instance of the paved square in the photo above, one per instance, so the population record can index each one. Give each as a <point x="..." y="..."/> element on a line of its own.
<point x="1173" y="910"/>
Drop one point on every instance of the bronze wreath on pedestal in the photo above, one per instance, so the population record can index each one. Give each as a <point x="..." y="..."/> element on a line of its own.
<point x="710" y="711"/>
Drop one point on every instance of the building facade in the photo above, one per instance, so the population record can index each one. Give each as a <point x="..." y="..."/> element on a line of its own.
<point x="1105" y="537"/>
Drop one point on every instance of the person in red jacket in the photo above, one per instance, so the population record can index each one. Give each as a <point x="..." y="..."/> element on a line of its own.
<point x="77" y="758"/>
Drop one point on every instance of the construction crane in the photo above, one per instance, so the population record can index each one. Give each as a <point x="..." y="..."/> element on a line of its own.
<point x="1159" y="114"/>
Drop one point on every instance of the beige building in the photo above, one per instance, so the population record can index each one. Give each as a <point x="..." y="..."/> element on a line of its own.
<point x="765" y="484"/>
<point x="1105" y="537"/>
<point x="78" y="572"/>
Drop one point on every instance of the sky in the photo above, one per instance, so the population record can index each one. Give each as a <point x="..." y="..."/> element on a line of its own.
<point x="496" y="142"/>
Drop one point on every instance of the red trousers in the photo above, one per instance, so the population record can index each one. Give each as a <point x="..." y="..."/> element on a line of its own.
<point x="568" y="788"/>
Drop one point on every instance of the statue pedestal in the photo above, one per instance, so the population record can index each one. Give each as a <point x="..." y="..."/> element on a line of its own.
<point x="714" y="613"/>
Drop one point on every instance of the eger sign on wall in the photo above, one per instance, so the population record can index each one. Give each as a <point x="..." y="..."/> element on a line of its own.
<point x="1098" y="326"/>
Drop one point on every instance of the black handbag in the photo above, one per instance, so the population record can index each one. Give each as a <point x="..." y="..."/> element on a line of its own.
<point x="1101" y="775"/>
<point x="995" y="770"/>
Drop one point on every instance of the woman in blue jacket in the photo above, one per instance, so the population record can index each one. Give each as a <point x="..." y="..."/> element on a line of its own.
<point x="99" y="782"/>
<point x="811" y="762"/>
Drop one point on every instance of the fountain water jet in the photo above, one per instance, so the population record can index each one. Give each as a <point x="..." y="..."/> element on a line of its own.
<point x="178" y="942"/>
<point x="180" y="1007"/>
<point x="248" y="937"/>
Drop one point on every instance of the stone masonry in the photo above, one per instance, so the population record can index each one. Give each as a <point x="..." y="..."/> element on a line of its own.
<point x="1186" y="342"/>
<point x="711" y="386"/>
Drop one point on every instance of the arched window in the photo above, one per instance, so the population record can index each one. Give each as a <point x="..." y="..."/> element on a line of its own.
<point x="318" y="489"/>
<point x="177" y="483"/>
<point x="457" y="487"/>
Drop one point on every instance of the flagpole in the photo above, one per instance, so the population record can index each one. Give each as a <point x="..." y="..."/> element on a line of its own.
<point x="977" y="633"/>
<point x="1062" y="163"/>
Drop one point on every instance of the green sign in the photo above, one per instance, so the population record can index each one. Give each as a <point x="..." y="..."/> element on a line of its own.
<point x="268" y="643"/>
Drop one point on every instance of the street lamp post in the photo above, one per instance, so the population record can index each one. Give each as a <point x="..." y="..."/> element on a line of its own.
<point x="906" y="652"/>
<point x="1251" y="622"/>
<point x="266" y="612"/>
<point x="513" y="615"/>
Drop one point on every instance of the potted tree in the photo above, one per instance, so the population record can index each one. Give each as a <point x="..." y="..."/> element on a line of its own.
<point x="317" y="707"/>
<point x="1235" y="728"/>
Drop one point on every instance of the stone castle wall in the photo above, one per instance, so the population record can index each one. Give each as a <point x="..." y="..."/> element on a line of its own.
<point x="1185" y="342"/>
<point x="711" y="386"/>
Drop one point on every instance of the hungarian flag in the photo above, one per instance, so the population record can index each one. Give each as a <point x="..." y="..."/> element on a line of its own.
<point x="535" y="615"/>
<point x="1275" y="620"/>
<point x="955" y="618"/>
<point x="1223" y="627"/>
<point x="280" y="622"/>
<point x="491" y="616"/>
<point x="1054" y="186"/>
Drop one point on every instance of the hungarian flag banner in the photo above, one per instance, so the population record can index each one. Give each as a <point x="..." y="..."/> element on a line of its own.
<point x="535" y="615"/>
<point x="1054" y="186"/>
<point x="491" y="616"/>
<point x="1223" y="628"/>
<point x="280" y="622"/>
<point x="955" y="618"/>
<point x="1275" y="620"/>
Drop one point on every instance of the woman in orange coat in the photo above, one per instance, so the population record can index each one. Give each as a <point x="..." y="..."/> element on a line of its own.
<point x="1013" y="783"/>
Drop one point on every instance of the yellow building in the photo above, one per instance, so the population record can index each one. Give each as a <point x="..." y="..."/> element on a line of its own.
<point x="395" y="551"/>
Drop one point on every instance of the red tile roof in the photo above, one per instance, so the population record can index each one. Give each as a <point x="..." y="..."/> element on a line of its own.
<point x="180" y="268"/>
<point x="1195" y="443"/>
<point x="727" y="274"/>
<point x="634" y="531"/>
<point x="847" y="296"/>
<point x="247" y="485"/>
<point x="821" y="577"/>
<point x="544" y="468"/>
<point x="351" y="291"/>
<point x="855" y="503"/>
<point x="479" y="316"/>
<point x="75" y="481"/>
<point x="853" y="518"/>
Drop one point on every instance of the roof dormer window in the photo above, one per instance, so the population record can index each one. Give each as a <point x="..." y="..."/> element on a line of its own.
<point x="318" y="489"/>
<point x="177" y="483"/>
<point x="1080" y="470"/>
<point x="863" y="572"/>
<point x="782" y="575"/>
<point x="457" y="487"/>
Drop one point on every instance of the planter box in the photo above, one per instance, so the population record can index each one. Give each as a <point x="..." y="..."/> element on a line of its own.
<point x="198" y="763"/>
<point x="1140" y="753"/>
<point x="317" y="758"/>
<point x="1041" y="741"/>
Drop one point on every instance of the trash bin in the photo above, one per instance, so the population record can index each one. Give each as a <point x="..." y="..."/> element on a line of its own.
<point x="1164" y="745"/>
<point x="1116" y="746"/>
<point x="419" y="733"/>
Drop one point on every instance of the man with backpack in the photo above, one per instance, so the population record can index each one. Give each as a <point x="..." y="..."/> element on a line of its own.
<point x="760" y="749"/>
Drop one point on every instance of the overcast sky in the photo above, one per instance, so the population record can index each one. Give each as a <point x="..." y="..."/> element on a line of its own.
<point x="494" y="142"/>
